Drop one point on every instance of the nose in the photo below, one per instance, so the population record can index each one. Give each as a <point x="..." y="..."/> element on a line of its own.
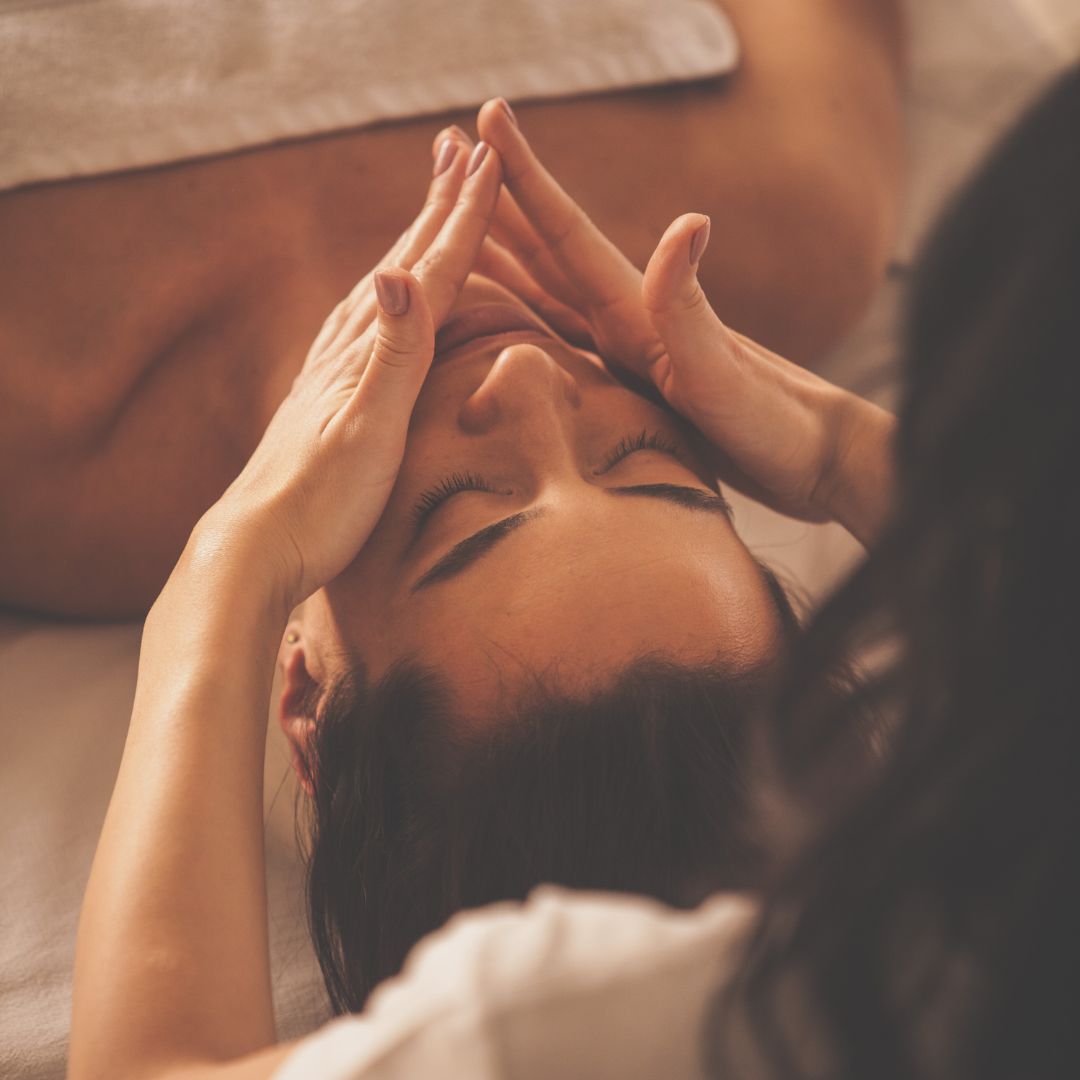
<point x="525" y="386"/>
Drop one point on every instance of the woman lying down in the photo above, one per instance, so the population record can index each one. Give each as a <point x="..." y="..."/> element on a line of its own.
<point x="461" y="738"/>
<point x="437" y="442"/>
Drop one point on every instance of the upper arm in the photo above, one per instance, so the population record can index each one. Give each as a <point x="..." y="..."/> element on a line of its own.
<point x="822" y="83"/>
<point x="797" y="45"/>
<point x="795" y="156"/>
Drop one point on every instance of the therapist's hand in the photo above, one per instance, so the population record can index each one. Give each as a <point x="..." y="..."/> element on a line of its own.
<point x="780" y="434"/>
<point x="319" y="479"/>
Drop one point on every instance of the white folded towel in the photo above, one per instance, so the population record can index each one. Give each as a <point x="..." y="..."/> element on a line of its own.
<point x="93" y="86"/>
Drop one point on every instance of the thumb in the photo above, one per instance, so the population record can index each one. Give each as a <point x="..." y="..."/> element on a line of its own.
<point x="674" y="299"/>
<point x="403" y="349"/>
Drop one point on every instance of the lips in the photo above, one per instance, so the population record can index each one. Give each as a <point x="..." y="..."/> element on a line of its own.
<point x="483" y="320"/>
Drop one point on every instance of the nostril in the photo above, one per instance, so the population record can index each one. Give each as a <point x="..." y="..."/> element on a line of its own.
<point x="479" y="413"/>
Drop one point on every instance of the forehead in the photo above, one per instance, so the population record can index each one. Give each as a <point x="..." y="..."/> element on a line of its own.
<point x="582" y="596"/>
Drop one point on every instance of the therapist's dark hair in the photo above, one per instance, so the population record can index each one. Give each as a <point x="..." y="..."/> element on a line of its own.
<point x="931" y="928"/>
<point x="418" y="812"/>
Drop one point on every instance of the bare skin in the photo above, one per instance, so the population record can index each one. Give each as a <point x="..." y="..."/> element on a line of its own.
<point x="151" y="322"/>
<point x="589" y="577"/>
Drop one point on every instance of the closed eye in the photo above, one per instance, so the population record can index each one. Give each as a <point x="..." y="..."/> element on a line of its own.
<point x="631" y="444"/>
<point x="445" y="489"/>
<point x="431" y="500"/>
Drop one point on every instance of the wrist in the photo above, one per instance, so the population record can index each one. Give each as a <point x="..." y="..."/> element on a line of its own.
<point x="857" y="490"/>
<point x="232" y="565"/>
<point x="218" y="603"/>
<point x="214" y="629"/>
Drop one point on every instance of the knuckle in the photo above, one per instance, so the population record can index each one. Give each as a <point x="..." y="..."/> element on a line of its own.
<point x="689" y="302"/>
<point x="432" y="265"/>
<point x="423" y="266"/>
<point x="440" y="202"/>
<point x="350" y="358"/>
<point x="576" y="222"/>
<point x="394" y="352"/>
<point x="696" y="303"/>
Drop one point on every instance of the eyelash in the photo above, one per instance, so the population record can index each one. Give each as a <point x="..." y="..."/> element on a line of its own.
<point x="446" y="489"/>
<point x="451" y="485"/>
<point x="644" y="440"/>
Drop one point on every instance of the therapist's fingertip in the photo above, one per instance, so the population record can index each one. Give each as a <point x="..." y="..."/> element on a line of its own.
<point x="505" y="106"/>
<point x="454" y="134"/>
<point x="496" y="119"/>
<point x="476" y="158"/>
<point x="392" y="292"/>
<point x="445" y="157"/>
<point x="699" y="240"/>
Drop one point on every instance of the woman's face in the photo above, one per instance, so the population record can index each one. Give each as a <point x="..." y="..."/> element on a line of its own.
<point x="546" y="520"/>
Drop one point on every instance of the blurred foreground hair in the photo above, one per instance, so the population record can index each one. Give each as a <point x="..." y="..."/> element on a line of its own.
<point x="930" y="929"/>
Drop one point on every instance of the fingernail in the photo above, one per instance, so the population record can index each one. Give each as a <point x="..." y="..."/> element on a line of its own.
<point x="698" y="242"/>
<point x="505" y="106"/>
<point x="447" y="152"/>
<point x="476" y="159"/>
<point x="392" y="292"/>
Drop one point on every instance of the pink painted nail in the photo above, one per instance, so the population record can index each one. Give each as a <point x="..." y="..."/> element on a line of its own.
<point x="698" y="242"/>
<point x="505" y="106"/>
<point x="477" y="157"/>
<point x="392" y="292"/>
<point x="447" y="152"/>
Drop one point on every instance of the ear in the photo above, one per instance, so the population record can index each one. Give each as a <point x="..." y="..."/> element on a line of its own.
<point x="296" y="708"/>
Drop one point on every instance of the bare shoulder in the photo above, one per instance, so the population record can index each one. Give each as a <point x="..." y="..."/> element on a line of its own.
<point x="796" y="157"/>
<point x="818" y="98"/>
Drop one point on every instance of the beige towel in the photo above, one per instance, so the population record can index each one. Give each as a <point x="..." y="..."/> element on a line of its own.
<point x="94" y="86"/>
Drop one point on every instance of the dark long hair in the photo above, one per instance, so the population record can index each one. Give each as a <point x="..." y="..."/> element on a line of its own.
<point x="419" y="812"/>
<point x="929" y="930"/>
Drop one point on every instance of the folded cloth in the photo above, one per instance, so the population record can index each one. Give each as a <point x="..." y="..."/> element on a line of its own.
<point x="93" y="86"/>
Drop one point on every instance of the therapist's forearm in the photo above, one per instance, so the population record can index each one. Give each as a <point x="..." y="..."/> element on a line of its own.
<point x="172" y="958"/>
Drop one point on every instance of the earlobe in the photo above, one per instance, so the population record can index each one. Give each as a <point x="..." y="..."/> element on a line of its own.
<point x="296" y="710"/>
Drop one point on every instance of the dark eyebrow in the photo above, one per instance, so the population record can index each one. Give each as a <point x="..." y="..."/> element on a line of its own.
<point x="462" y="555"/>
